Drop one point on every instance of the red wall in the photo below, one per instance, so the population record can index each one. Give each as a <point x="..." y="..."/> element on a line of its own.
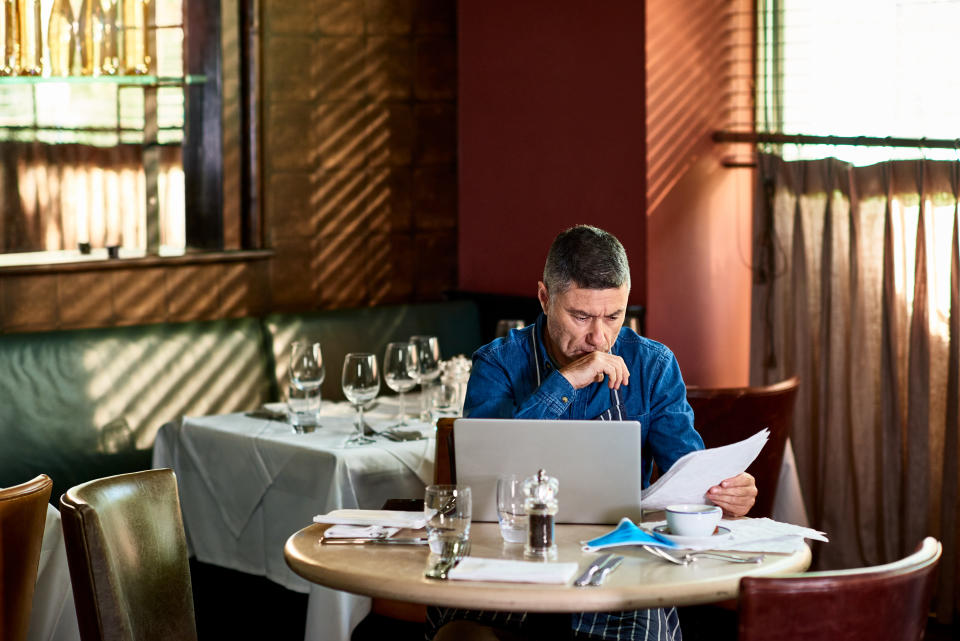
<point x="698" y="216"/>
<point x="551" y="133"/>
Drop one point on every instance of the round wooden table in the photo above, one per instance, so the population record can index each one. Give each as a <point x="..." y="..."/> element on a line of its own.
<point x="642" y="581"/>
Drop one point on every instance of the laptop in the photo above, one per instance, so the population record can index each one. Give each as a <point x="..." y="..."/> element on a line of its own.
<point x="596" y="462"/>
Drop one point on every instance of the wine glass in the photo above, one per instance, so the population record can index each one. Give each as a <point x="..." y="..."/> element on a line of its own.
<point x="428" y="359"/>
<point x="361" y="384"/>
<point x="401" y="372"/>
<point x="306" y="375"/>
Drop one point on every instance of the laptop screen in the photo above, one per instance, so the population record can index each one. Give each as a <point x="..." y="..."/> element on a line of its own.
<point x="596" y="462"/>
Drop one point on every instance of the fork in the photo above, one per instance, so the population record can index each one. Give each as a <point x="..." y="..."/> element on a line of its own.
<point x="689" y="557"/>
<point x="392" y="435"/>
<point x="450" y="555"/>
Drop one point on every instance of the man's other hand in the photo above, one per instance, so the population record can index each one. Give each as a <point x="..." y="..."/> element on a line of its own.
<point x="735" y="495"/>
<point x="592" y="367"/>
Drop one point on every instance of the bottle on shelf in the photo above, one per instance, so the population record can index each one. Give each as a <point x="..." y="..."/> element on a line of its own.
<point x="99" y="47"/>
<point x="111" y="37"/>
<point x="31" y="39"/>
<point x="10" y="38"/>
<point x="136" y="17"/>
<point x="61" y="38"/>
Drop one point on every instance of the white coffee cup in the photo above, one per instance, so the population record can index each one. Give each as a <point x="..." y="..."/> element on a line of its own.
<point x="693" y="520"/>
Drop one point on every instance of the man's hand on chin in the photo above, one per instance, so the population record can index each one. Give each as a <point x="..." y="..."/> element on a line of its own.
<point x="593" y="367"/>
<point x="735" y="495"/>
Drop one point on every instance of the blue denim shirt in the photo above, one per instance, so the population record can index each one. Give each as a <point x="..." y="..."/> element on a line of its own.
<point x="512" y="377"/>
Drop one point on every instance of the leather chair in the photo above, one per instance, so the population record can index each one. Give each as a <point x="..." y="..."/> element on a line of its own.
<point x="128" y="558"/>
<point x="23" y="514"/>
<point x="881" y="603"/>
<point x="726" y="415"/>
<point x="443" y="466"/>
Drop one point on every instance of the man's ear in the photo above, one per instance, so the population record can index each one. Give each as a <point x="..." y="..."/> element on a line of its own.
<point x="543" y="295"/>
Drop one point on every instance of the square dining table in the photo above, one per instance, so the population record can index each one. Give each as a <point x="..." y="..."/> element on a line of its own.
<point x="246" y="483"/>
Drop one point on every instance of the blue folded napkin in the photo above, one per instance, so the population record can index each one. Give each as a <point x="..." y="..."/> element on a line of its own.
<point x="626" y="533"/>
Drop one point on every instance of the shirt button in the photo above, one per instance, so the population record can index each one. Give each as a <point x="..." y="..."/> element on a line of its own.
<point x="565" y="399"/>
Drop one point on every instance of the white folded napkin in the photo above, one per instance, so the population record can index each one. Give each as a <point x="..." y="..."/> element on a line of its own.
<point x="385" y="518"/>
<point x="359" y="532"/>
<point x="473" y="568"/>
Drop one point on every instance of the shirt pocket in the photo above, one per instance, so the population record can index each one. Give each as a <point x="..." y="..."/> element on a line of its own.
<point x="642" y="418"/>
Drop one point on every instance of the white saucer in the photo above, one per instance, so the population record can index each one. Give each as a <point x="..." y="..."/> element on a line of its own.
<point x="721" y="534"/>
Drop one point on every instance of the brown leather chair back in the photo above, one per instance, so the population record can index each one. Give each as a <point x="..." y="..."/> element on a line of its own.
<point x="443" y="468"/>
<point x="881" y="603"/>
<point x="23" y="514"/>
<point x="726" y="415"/>
<point x="128" y="558"/>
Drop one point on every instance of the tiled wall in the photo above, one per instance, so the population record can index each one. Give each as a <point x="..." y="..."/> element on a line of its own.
<point x="359" y="180"/>
<point x="360" y="150"/>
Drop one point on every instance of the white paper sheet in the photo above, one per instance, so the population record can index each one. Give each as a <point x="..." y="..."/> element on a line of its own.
<point x="691" y="476"/>
<point x="755" y="535"/>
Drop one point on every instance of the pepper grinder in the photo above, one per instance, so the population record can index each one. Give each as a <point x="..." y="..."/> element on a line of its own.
<point x="540" y="501"/>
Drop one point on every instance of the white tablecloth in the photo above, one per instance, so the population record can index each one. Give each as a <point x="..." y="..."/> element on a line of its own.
<point x="247" y="484"/>
<point x="788" y="505"/>
<point x="53" y="617"/>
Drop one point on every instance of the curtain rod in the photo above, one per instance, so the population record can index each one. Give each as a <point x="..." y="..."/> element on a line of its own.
<point x="855" y="141"/>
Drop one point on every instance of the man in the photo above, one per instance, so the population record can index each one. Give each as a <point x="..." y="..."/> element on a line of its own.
<point x="578" y="362"/>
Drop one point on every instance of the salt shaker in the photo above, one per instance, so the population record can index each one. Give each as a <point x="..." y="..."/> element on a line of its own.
<point x="540" y="501"/>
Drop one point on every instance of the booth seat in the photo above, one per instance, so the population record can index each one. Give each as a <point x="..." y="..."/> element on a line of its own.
<point x="83" y="404"/>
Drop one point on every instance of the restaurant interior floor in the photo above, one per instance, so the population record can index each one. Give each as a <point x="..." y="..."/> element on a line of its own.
<point x="232" y="604"/>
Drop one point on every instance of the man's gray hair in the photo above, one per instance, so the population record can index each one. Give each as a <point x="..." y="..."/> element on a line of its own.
<point x="588" y="258"/>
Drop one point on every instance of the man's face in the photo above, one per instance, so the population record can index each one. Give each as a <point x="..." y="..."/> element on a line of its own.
<point x="580" y="321"/>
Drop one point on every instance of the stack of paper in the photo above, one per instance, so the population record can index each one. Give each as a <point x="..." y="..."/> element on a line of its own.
<point x="754" y="535"/>
<point x="688" y="480"/>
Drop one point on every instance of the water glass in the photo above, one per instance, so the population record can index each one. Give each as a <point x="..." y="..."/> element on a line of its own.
<point x="307" y="372"/>
<point x="510" y="510"/>
<point x="448" y="510"/>
<point x="444" y="398"/>
<point x="428" y="366"/>
<point x="303" y="408"/>
<point x="505" y="325"/>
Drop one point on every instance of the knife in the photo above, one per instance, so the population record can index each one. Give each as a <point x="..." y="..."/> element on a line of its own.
<point x="601" y="575"/>
<point x="584" y="579"/>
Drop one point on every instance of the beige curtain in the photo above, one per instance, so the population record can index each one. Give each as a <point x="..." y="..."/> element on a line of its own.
<point x="856" y="291"/>
<point x="53" y="197"/>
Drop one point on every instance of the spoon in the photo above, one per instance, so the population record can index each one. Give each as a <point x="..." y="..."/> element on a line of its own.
<point x="689" y="557"/>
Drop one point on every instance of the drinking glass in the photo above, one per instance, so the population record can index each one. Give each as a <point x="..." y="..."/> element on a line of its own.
<point x="505" y="325"/>
<point x="401" y="372"/>
<point x="448" y="510"/>
<point x="445" y="399"/>
<point x="510" y="510"/>
<point x="428" y="360"/>
<point x="361" y="384"/>
<point x="306" y="375"/>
